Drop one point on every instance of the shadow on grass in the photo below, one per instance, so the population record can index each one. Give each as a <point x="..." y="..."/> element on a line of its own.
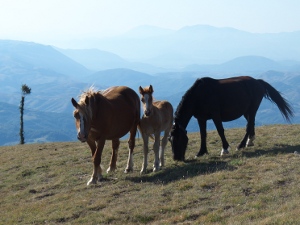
<point x="195" y="167"/>
<point x="182" y="170"/>
<point x="280" y="149"/>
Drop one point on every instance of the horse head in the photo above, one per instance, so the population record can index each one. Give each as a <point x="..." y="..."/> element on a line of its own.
<point x="147" y="99"/>
<point x="82" y="115"/>
<point x="179" y="140"/>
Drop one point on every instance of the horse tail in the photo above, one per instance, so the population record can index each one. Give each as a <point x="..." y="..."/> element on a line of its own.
<point x="275" y="97"/>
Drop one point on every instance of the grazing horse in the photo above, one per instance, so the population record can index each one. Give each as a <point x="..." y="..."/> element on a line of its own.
<point x="222" y="100"/>
<point x="158" y="117"/>
<point x="107" y="115"/>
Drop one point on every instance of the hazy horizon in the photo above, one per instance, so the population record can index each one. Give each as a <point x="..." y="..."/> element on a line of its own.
<point x="56" y="22"/>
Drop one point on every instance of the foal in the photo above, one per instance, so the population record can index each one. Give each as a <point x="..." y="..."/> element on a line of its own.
<point x="158" y="117"/>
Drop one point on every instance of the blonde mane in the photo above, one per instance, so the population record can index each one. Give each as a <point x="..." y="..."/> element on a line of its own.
<point x="88" y="93"/>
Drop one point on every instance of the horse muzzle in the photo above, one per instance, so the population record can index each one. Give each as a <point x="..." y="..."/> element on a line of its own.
<point x="147" y="112"/>
<point x="81" y="137"/>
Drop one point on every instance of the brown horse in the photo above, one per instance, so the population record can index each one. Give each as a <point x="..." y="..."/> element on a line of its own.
<point x="158" y="117"/>
<point x="107" y="115"/>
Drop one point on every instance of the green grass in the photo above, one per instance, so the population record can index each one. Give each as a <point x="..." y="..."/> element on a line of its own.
<point x="46" y="183"/>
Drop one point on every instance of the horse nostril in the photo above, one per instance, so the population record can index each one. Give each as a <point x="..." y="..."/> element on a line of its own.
<point x="80" y="136"/>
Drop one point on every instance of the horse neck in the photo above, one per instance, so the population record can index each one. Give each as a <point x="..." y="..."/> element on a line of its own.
<point x="184" y="112"/>
<point x="99" y="102"/>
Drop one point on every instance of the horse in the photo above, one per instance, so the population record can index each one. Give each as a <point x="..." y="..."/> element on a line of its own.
<point x="157" y="117"/>
<point x="107" y="115"/>
<point x="222" y="100"/>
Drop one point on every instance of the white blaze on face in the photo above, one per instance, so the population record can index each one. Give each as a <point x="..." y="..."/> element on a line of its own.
<point x="147" y="104"/>
<point x="81" y="128"/>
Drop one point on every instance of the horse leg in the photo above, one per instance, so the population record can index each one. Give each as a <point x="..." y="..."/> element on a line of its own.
<point x="114" y="156"/>
<point x="131" y="145"/>
<point x="97" y="173"/>
<point x="251" y="130"/>
<point x="156" y="151"/>
<point x="218" y="123"/>
<point x="250" y="140"/>
<point x="146" y="150"/>
<point x="203" y="134"/>
<point x="164" y="143"/>
<point x="249" y="137"/>
<point x="92" y="145"/>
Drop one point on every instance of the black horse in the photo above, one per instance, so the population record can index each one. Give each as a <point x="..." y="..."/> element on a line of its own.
<point x="222" y="100"/>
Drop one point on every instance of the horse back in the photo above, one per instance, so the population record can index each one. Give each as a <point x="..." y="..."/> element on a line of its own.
<point x="230" y="97"/>
<point x="164" y="112"/>
<point x="120" y="114"/>
<point x="164" y="107"/>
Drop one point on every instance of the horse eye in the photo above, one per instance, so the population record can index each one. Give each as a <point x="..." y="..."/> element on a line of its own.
<point x="77" y="116"/>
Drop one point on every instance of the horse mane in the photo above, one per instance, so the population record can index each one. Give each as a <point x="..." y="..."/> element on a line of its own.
<point x="91" y="91"/>
<point x="187" y="98"/>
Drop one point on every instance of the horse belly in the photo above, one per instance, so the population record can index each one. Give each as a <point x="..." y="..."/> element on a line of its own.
<point x="232" y="113"/>
<point x="120" y="126"/>
<point x="146" y="126"/>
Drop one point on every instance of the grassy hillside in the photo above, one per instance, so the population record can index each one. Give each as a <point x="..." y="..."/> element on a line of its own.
<point x="46" y="184"/>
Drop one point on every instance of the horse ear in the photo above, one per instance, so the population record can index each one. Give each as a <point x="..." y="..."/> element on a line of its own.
<point x="141" y="90"/>
<point x="151" y="89"/>
<point x="75" y="104"/>
<point x="86" y="100"/>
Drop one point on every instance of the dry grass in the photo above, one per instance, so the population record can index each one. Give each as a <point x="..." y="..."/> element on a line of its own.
<point x="46" y="184"/>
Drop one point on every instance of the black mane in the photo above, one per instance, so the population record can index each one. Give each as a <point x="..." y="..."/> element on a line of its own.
<point x="188" y="99"/>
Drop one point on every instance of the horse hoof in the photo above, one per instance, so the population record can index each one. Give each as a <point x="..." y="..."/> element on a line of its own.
<point x="201" y="154"/>
<point x="110" y="169"/>
<point x="91" y="181"/>
<point x="224" y="152"/>
<point x="250" y="142"/>
<point x="127" y="170"/>
<point x="143" y="171"/>
<point x="155" y="169"/>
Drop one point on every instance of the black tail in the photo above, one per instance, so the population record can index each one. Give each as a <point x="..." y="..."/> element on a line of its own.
<point x="274" y="96"/>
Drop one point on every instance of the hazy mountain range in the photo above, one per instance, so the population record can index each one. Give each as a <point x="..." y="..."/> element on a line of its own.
<point x="56" y="75"/>
<point x="199" y="44"/>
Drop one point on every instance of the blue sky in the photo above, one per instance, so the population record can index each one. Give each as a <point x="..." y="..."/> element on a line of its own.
<point x="45" y="21"/>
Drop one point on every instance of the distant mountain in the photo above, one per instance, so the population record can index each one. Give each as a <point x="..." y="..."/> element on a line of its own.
<point x="165" y="84"/>
<point x="251" y="64"/>
<point x="146" y="31"/>
<point x="30" y="55"/>
<point x="199" y="44"/>
<point x="115" y="77"/>
<point x="38" y="126"/>
<point x="248" y="64"/>
<point x="97" y="60"/>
